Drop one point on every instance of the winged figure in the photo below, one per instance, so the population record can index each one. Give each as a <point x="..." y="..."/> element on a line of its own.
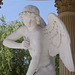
<point x="43" y="41"/>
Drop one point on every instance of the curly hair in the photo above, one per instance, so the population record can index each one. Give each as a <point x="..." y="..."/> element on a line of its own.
<point x="37" y="17"/>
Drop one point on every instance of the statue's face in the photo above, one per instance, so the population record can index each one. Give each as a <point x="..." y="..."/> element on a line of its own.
<point x="31" y="20"/>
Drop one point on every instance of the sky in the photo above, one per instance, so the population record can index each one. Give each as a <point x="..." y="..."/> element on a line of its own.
<point x="36" y="0"/>
<point x="11" y="8"/>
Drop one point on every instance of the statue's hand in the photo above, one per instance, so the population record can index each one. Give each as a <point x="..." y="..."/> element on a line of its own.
<point x="25" y="44"/>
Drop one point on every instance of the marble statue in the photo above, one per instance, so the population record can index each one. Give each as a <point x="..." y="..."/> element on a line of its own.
<point x="43" y="41"/>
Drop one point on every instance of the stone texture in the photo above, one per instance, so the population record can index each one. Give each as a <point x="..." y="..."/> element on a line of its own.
<point x="43" y="42"/>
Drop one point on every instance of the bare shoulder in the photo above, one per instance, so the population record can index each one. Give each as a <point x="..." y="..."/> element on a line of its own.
<point x="22" y="30"/>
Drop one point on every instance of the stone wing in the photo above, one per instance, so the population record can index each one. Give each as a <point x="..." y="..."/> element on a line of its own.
<point x="59" y="40"/>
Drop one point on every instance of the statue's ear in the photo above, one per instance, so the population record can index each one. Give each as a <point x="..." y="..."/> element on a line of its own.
<point x="38" y="20"/>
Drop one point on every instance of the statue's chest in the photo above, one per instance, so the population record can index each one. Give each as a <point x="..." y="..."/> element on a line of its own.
<point x="35" y="39"/>
<point x="35" y="43"/>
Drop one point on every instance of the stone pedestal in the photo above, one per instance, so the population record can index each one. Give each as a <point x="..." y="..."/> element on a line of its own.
<point x="66" y="12"/>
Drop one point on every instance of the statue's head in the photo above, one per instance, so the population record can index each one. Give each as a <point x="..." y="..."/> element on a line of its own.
<point x="31" y="17"/>
<point x="31" y="9"/>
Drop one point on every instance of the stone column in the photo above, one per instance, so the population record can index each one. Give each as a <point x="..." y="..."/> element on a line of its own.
<point x="66" y="12"/>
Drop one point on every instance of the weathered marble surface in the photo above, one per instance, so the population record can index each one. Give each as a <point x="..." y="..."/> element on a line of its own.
<point x="43" y="41"/>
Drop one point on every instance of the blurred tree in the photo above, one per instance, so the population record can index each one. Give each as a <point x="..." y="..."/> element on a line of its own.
<point x="57" y="64"/>
<point x="12" y="61"/>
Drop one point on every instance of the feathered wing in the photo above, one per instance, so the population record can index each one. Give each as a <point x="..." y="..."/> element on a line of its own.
<point x="59" y="41"/>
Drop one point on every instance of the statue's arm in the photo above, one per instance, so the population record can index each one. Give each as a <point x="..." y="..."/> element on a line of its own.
<point x="10" y="40"/>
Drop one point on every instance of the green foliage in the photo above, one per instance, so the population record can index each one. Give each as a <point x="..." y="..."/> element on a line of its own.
<point x="12" y="61"/>
<point x="57" y="64"/>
